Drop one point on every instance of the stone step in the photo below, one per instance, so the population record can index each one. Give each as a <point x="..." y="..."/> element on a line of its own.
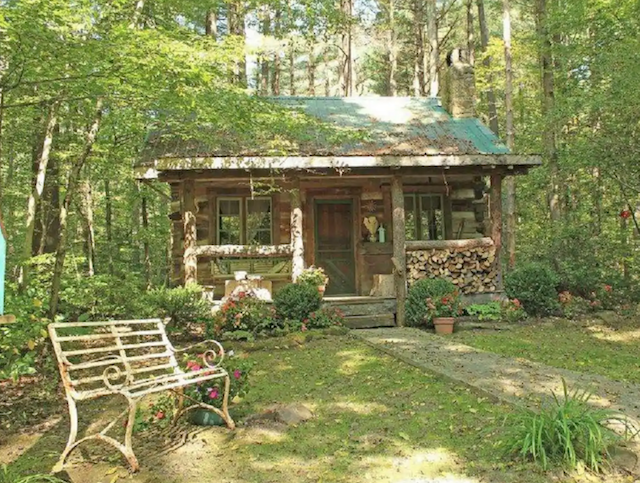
<point x="357" y="306"/>
<point x="370" y="321"/>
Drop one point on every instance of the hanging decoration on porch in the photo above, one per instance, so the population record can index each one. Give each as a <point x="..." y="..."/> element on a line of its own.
<point x="371" y="224"/>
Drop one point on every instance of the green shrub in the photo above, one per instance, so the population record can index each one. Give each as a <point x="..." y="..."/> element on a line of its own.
<point x="416" y="304"/>
<point x="534" y="285"/>
<point x="183" y="305"/>
<point x="488" y="311"/>
<point x="102" y="297"/>
<point x="243" y="312"/>
<point x="323" y="318"/>
<point x="566" y="432"/>
<point x="296" y="301"/>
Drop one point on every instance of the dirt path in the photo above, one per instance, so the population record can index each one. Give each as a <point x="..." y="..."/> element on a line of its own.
<point x="517" y="381"/>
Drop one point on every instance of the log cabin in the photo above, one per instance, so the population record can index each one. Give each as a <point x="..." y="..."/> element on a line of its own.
<point x="419" y="196"/>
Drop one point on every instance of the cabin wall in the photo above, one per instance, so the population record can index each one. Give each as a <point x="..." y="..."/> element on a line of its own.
<point x="465" y="210"/>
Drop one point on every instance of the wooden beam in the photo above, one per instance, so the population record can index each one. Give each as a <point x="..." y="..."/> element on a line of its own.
<point x="190" y="258"/>
<point x="412" y="246"/>
<point x="495" y="213"/>
<point x="399" y="254"/>
<point x="257" y="251"/>
<point x="297" y="240"/>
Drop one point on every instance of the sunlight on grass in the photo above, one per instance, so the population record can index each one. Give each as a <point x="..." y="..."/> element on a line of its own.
<point x="598" y="349"/>
<point x="355" y="360"/>
<point x="358" y="408"/>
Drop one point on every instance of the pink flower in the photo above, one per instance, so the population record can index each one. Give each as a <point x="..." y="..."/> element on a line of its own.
<point x="237" y="374"/>
<point x="160" y="415"/>
<point x="193" y="366"/>
<point x="303" y="328"/>
<point x="213" y="393"/>
<point x="607" y="288"/>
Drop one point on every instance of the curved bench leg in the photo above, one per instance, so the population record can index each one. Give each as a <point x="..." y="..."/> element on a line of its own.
<point x="73" y="434"/>
<point x="225" y="404"/>
<point x="128" y="447"/>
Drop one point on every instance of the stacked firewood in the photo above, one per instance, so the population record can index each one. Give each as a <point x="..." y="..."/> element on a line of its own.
<point x="471" y="270"/>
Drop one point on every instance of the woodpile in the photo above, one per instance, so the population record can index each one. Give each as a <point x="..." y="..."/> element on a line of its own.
<point x="472" y="270"/>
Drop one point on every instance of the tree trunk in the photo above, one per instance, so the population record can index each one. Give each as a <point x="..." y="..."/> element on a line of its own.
<point x="72" y="183"/>
<point x="418" y="59"/>
<point x="211" y="24"/>
<point x="264" y="63"/>
<point x="36" y="193"/>
<point x="190" y="257"/>
<point x="471" y="41"/>
<point x="510" y="182"/>
<point x="275" y="80"/>
<point x="346" y="79"/>
<point x="311" y="69"/>
<point x="108" y="221"/>
<point x="86" y="210"/>
<point x="495" y="210"/>
<point x="549" y="143"/>
<point x="392" y="84"/>
<point x="297" y="235"/>
<point x="434" y="54"/>
<point x="1" y="136"/>
<point x="145" y="233"/>
<point x="292" y="69"/>
<point x="235" y="22"/>
<point x="491" y="96"/>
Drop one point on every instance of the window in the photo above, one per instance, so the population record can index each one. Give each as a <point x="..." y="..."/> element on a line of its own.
<point x="424" y="217"/>
<point x="244" y="221"/>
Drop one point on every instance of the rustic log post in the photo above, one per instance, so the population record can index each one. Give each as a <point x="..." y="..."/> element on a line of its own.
<point x="297" y="243"/>
<point x="399" y="255"/>
<point x="190" y="258"/>
<point x="495" y="212"/>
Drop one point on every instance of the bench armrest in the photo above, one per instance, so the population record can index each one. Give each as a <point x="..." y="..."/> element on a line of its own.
<point x="211" y="358"/>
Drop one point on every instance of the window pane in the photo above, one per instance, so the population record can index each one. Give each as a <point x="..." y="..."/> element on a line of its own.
<point x="410" y="226"/>
<point x="229" y="222"/>
<point x="259" y="221"/>
<point x="431" y="218"/>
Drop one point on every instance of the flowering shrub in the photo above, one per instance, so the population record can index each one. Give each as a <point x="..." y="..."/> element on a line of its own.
<point x="323" y="318"/>
<point x="242" y="312"/>
<point x="212" y="392"/>
<point x="448" y="305"/>
<point x="313" y="276"/>
<point x="416" y="309"/>
<point x="512" y="311"/>
<point x="534" y="285"/>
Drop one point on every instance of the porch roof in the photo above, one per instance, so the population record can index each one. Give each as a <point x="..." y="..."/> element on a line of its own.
<point x="378" y="132"/>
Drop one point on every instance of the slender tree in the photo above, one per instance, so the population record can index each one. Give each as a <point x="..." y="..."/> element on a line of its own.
<point x="510" y="182"/>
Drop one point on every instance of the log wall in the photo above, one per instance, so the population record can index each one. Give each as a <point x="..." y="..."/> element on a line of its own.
<point x="464" y="204"/>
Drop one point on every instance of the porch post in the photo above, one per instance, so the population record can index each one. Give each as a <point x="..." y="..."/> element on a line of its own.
<point x="190" y="259"/>
<point x="495" y="212"/>
<point x="399" y="254"/>
<point x="297" y="241"/>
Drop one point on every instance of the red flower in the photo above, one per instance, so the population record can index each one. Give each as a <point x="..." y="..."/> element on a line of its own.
<point x="237" y="373"/>
<point x="625" y="214"/>
<point x="160" y="415"/>
<point x="608" y="288"/>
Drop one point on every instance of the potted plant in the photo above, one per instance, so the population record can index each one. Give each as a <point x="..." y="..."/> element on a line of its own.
<point x="315" y="277"/>
<point x="211" y="392"/>
<point x="442" y="310"/>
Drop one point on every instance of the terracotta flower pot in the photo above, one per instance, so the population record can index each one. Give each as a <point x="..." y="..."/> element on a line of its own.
<point x="444" y="325"/>
<point x="321" y="289"/>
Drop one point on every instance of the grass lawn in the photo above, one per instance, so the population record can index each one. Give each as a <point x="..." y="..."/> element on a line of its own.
<point x="376" y="419"/>
<point x="611" y="351"/>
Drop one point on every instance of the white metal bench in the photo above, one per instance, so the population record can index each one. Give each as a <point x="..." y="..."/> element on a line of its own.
<point x="133" y="358"/>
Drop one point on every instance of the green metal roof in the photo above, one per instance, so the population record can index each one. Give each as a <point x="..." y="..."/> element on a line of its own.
<point x="399" y="126"/>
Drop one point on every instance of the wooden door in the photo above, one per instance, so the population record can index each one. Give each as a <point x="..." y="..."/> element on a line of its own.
<point x="334" y="244"/>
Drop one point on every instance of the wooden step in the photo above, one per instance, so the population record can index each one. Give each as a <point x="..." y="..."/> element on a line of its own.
<point x="368" y="306"/>
<point x="370" y="321"/>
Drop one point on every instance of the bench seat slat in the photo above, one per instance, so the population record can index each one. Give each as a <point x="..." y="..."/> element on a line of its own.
<point x="71" y="338"/>
<point x="117" y="360"/>
<point x="115" y="348"/>
<point x="108" y="323"/>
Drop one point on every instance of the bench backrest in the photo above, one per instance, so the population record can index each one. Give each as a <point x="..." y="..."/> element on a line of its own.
<point x="98" y="358"/>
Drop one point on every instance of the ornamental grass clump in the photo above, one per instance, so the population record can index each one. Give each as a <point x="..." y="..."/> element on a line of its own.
<point x="567" y="432"/>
